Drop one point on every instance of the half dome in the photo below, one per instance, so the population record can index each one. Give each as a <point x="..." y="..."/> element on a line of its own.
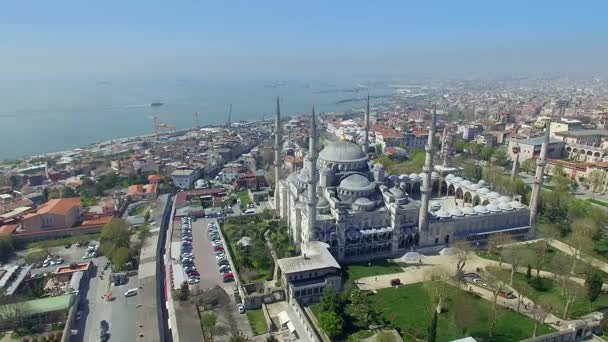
<point x="456" y="212"/>
<point x="493" y="208"/>
<point x="480" y="209"/>
<point x="355" y="182"/>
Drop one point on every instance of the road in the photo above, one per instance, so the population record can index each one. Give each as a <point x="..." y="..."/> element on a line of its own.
<point x="120" y="313"/>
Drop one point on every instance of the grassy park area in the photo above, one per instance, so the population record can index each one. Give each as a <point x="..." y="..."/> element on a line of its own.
<point x="408" y="308"/>
<point x="244" y="198"/>
<point x="548" y="292"/>
<point x="257" y="321"/>
<point x="372" y="268"/>
<point x="254" y="263"/>
<point x="467" y="316"/>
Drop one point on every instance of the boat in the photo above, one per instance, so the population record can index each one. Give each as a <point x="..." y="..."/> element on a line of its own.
<point x="156" y="104"/>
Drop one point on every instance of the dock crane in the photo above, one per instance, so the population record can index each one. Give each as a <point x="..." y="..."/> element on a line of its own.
<point x="160" y="127"/>
<point x="196" y="123"/>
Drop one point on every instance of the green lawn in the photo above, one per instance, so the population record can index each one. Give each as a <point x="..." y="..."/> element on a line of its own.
<point x="580" y="269"/>
<point x="256" y="263"/>
<point x="548" y="292"/>
<point x="375" y="268"/>
<point x="244" y="198"/>
<point x="61" y="241"/>
<point x="409" y="307"/>
<point x="257" y="321"/>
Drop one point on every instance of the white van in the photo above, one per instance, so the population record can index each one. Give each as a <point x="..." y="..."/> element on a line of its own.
<point x="131" y="292"/>
<point x="249" y="211"/>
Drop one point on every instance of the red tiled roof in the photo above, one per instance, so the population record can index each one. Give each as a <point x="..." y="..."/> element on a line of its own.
<point x="101" y="221"/>
<point x="58" y="206"/>
<point x="8" y="229"/>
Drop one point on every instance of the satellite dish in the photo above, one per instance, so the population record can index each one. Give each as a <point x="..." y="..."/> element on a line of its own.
<point x="515" y="149"/>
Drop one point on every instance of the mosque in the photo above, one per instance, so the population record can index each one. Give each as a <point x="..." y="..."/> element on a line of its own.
<point x="341" y="202"/>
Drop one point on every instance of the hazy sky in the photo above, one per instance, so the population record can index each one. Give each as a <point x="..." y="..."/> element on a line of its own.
<point x="302" y="37"/>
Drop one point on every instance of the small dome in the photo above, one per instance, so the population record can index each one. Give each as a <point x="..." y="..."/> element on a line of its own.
<point x="403" y="177"/>
<point x="517" y="204"/>
<point x="480" y="209"/>
<point x="469" y="211"/>
<point x="442" y="213"/>
<point x="474" y="186"/>
<point x="466" y="183"/>
<point x="483" y="191"/>
<point x="456" y="180"/>
<point x="398" y="193"/>
<point x="504" y="199"/>
<point x="434" y="174"/>
<point x="338" y="151"/>
<point x="493" y="194"/>
<point x="363" y="201"/>
<point x="421" y="175"/>
<point x="493" y="208"/>
<point x="355" y="182"/>
<point x="505" y="206"/>
<point x="322" y="202"/>
<point x="414" y="176"/>
<point x="481" y="182"/>
<point x="449" y="176"/>
<point x="456" y="212"/>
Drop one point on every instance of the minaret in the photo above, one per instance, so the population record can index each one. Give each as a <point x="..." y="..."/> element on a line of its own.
<point x="277" y="155"/>
<point x="312" y="177"/>
<point x="366" y="123"/>
<point x="538" y="178"/>
<point x="515" y="167"/>
<point x="427" y="186"/>
<point x="444" y="147"/>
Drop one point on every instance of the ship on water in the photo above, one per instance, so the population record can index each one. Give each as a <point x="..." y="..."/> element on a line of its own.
<point x="156" y="104"/>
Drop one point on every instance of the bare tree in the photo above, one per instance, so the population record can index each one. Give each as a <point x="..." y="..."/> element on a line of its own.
<point x="561" y="270"/>
<point x="496" y="245"/>
<point x="495" y="284"/>
<point x="539" y="250"/>
<point x="571" y="292"/>
<point x="581" y="240"/>
<point x="437" y="284"/>
<point x="515" y="256"/>
<point x="539" y="313"/>
<point x="12" y="310"/>
<point x="463" y="253"/>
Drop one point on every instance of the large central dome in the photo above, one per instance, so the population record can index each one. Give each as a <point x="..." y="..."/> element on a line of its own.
<point x="342" y="151"/>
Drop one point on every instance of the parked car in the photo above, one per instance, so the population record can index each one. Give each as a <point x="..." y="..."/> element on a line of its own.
<point x="222" y="261"/>
<point x="79" y="315"/>
<point x="68" y="245"/>
<point x="131" y="292"/>
<point x="194" y="273"/>
<point x="395" y="282"/>
<point x="241" y="308"/>
<point x="218" y="248"/>
<point x="223" y="268"/>
<point x="192" y="281"/>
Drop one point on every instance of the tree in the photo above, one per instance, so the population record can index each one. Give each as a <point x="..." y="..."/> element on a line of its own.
<point x="208" y="322"/>
<point x="539" y="252"/>
<point x="463" y="252"/>
<point x="539" y="313"/>
<point x="528" y="165"/>
<point x="12" y="310"/>
<point x="184" y="291"/>
<point x="581" y="241"/>
<point x="595" y="180"/>
<point x="120" y="257"/>
<point x="6" y="248"/>
<point x="147" y="216"/>
<point x="593" y="284"/>
<point x="331" y="323"/>
<point x="238" y="337"/>
<point x="331" y="301"/>
<point x="571" y="292"/>
<point x="361" y="308"/>
<point x="561" y="269"/>
<point x="495" y="284"/>
<point x="470" y="170"/>
<point x="515" y="256"/>
<point x="271" y="338"/>
<point x="496" y="244"/>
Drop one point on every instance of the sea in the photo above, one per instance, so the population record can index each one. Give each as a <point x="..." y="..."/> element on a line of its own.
<point x="50" y="115"/>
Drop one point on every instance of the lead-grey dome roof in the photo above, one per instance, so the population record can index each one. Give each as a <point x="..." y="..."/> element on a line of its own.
<point x="342" y="151"/>
<point x="355" y="182"/>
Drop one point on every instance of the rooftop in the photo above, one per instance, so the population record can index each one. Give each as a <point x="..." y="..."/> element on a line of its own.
<point x="58" y="206"/>
<point x="537" y="141"/>
<point x="82" y="266"/>
<point x="583" y="133"/>
<point x="315" y="255"/>
<point x="49" y="304"/>
<point x="187" y="172"/>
